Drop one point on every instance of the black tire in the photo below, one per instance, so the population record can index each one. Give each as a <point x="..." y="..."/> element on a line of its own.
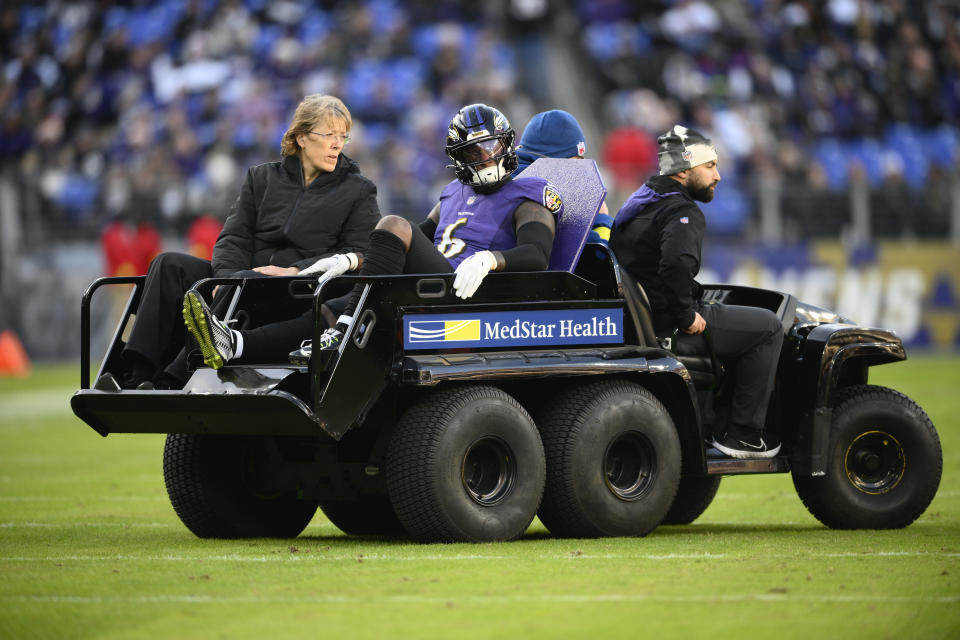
<point x="613" y="461"/>
<point x="222" y="487"/>
<point x="465" y="464"/>
<point x="884" y="463"/>
<point x="694" y="495"/>
<point x="370" y="515"/>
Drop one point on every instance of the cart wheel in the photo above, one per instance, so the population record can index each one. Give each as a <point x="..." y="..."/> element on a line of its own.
<point x="613" y="461"/>
<point x="465" y="464"/>
<point x="224" y="487"/>
<point x="884" y="463"/>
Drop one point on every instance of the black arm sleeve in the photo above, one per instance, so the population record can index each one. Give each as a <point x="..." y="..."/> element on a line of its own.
<point x="429" y="227"/>
<point x="532" y="253"/>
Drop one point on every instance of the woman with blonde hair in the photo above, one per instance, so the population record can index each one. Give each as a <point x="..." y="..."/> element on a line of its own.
<point x="310" y="204"/>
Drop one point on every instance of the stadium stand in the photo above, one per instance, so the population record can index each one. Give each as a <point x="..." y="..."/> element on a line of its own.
<point x="864" y="89"/>
<point x="156" y="106"/>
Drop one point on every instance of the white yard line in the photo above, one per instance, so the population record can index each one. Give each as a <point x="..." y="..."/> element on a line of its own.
<point x="746" y="523"/>
<point x="305" y="553"/>
<point x="533" y="598"/>
<point x="69" y="525"/>
<point x="84" y="499"/>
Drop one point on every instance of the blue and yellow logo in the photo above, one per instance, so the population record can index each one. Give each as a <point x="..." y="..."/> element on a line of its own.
<point x="488" y="329"/>
<point x="443" y="330"/>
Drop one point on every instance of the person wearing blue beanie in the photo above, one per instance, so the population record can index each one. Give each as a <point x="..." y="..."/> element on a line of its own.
<point x="557" y="134"/>
<point x="551" y="134"/>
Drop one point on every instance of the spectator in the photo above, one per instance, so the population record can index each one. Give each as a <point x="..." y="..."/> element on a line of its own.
<point x="102" y="73"/>
<point x="630" y="154"/>
<point x="202" y="236"/>
<point x="129" y="247"/>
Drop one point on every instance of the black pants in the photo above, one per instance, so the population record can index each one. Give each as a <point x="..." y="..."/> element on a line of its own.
<point x="753" y="336"/>
<point x="273" y="342"/>
<point x="158" y="333"/>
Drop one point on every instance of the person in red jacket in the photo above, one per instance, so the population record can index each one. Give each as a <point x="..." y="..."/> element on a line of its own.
<point x="202" y="236"/>
<point x="128" y="248"/>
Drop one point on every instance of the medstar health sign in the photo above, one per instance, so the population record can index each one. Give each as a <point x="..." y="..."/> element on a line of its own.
<point x="513" y="329"/>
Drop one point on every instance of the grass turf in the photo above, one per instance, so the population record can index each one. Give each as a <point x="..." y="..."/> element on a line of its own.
<point x="90" y="548"/>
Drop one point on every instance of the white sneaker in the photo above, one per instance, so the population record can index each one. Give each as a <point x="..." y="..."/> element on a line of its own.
<point x="330" y="339"/>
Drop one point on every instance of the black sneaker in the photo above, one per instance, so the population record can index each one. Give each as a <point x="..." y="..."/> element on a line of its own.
<point x="214" y="337"/>
<point x="107" y="382"/>
<point x="746" y="443"/>
<point x="301" y="356"/>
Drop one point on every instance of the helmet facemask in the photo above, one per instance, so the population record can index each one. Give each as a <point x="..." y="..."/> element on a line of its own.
<point x="485" y="162"/>
<point x="480" y="143"/>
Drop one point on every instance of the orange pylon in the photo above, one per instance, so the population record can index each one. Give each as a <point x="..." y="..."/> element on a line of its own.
<point x="13" y="357"/>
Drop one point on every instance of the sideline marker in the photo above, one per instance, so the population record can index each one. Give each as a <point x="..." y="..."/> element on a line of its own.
<point x="13" y="357"/>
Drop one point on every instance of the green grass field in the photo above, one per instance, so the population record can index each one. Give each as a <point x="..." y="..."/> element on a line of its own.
<point x="90" y="548"/>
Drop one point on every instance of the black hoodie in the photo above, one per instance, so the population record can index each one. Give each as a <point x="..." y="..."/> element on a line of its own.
<point x="278" y="221"/>
<point x="657" y="237"/>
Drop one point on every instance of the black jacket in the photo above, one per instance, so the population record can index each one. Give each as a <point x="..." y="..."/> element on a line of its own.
<point x="657" y="236"/>
<point x="277" y="221"/>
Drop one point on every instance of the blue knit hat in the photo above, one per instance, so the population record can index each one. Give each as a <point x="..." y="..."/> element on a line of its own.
<point x="551" y="134"/>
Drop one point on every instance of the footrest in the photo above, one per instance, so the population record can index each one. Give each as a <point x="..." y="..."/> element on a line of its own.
<point x="719" y="464"/>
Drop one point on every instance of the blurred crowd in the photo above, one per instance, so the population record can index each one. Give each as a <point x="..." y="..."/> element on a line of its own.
<point x="148" y="113"/>
<point x="809" y="96"/>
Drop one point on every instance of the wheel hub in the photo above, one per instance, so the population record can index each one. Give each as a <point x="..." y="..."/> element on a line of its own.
<point x="488" y="470"/>
<point x="629" y="465"/>
<point x="874" y="462"/>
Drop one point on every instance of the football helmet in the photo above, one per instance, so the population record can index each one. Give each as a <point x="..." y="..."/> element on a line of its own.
<point x="480" y="142"/>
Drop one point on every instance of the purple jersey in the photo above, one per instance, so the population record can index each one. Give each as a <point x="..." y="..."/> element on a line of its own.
<point x="471" y="222"/>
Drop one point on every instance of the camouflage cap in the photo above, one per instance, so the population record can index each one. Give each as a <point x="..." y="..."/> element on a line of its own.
<point x="682" y="149"/>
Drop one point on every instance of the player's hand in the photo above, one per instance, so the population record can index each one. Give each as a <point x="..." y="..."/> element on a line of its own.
<point x="273" y="270"/>
<point x="699" y="324"/>
<point x="472" y="271"/>
<point x="332" y="266"/>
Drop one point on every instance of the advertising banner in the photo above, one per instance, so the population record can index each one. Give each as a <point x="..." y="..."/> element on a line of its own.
<point x="540" y="328"/>
<point x="910" y="287"/>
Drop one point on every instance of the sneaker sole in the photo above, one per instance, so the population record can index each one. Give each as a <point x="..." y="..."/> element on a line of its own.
<point x="745" y="455"/>
<point x="196" y="321"/>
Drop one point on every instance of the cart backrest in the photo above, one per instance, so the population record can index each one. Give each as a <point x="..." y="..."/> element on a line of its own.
<point x="583" y="193"/>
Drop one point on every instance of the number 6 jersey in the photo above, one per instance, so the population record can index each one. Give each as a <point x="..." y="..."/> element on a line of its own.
<point x="471" y="222"/>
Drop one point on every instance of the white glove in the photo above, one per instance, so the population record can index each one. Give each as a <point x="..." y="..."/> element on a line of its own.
<point x="332" y="266"/>
<point x="471" y="272"/>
